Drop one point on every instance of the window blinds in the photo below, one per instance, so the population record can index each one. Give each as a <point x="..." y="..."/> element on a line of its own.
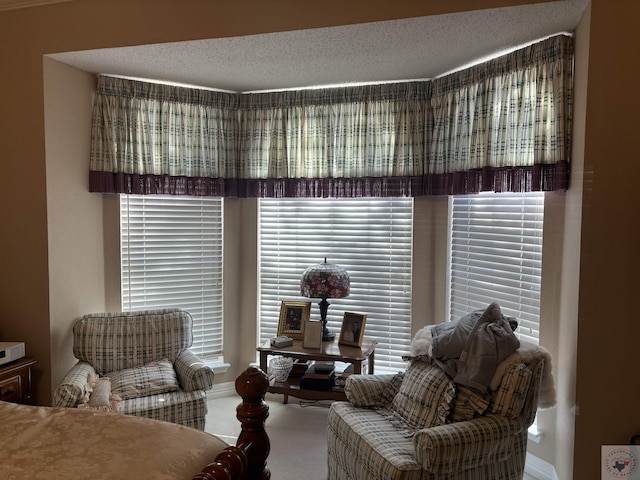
<point x="370" y="238"/>
<point x="171" y="256"/>
<point x="496" y="255"/>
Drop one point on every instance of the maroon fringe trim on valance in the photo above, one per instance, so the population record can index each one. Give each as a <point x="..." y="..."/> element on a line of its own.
<point x="508" y="179"/>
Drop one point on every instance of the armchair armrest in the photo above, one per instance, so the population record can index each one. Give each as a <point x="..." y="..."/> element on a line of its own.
<point x="73" y="386"/>
<point x="468" y="444"/>
<point x="372" y="390"/>
<point x="193" y="374"/>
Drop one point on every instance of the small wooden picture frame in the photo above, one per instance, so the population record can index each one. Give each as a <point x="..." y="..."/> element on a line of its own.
<point x="293" y="315"/>
<point x="312" y="335"/>
<point x="352" y="330"/>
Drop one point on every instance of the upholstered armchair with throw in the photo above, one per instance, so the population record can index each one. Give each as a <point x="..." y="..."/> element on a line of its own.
<point x="421" y="424"/>
<point x="144" y="361"/>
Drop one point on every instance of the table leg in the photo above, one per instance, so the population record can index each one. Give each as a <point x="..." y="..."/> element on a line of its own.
<point x="357" y="367"/>
<point x="263" y="361"/>
<point x="371" y="361"/>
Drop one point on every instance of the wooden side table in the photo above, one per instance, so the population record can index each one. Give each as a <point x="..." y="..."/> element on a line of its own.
<point x="15" y="381"/>
<point x="330" y="351"/>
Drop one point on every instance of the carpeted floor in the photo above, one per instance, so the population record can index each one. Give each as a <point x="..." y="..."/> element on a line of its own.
<point x="298" y="435"/>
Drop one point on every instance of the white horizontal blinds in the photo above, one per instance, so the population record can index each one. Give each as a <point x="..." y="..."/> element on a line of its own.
<point x="496" y="255"/>
<point x="171" y="250"/>
<point x="370" y="238"/>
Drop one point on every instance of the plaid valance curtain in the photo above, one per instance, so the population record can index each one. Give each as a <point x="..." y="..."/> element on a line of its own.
<point x="503" y="125"/>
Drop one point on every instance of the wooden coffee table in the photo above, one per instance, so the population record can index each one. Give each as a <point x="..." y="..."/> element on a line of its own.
<point x="330" y="351"/>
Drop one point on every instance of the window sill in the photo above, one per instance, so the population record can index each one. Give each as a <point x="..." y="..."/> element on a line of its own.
<point x="219" y="367"/>
<point x="534" y="434"/>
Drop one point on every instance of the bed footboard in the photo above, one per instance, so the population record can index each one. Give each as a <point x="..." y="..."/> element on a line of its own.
<point x="247" y="460"/>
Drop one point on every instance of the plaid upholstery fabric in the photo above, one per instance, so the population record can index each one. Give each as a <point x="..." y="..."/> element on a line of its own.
<point x="530" y="407"/>
<point x="69" y="393"/>
<point x="115" y="341"/>
<point x="193" y="374"/>
<point x="468" y="404"/>
<point x="365" y="445"/>
<point x="372" y="390"/>
<point x="111" y="342"/>
<point x="148" y="379"/>
<point x="185" y="408"/>
<point x="510" y="397"/>
<point x="479" y="445"/>
<point x="425" y="396"/>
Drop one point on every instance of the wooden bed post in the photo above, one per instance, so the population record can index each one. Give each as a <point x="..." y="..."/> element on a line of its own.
<point x="247" y="460"/>
<point x="252" y="385"/>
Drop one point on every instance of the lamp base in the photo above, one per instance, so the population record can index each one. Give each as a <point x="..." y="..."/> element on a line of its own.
<point x="328" y="336"/>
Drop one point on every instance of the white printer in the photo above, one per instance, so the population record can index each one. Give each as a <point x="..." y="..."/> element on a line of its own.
<point x="10" y="351"/>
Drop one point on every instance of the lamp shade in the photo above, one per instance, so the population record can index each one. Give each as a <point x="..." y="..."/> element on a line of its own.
<point x="325" y="280"/>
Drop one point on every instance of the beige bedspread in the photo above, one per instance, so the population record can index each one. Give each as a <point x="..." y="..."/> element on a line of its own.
<point x="59" y="443"/>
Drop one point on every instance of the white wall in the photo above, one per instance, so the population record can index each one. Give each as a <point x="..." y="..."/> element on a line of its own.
<point x="429" y="303"/>
<point x="74" y="216"/>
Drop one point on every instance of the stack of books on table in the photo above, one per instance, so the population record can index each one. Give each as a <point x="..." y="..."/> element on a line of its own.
<point x="299" y="367"/>
<point x="319" y="376"/>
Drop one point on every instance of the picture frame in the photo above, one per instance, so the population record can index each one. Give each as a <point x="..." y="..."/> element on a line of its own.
<point x="293" y="316"/>
<point x="312" y="335"/>
<point x="352" y="330"/>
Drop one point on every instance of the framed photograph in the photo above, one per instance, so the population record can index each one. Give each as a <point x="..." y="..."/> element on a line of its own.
<point x="352" y="329"/>
<point x="312" y="335"/>
<point x="292" y="318"/>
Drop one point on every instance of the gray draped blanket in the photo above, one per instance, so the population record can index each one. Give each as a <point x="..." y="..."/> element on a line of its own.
<point x="470" y="349"/>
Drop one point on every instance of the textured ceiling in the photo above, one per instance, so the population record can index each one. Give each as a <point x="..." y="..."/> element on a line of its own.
<point x="396" y="50"/>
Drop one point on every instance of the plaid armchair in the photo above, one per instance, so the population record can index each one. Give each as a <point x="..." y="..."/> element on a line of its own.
<point x="420" y="425"/>
<point x="144" y="357"/>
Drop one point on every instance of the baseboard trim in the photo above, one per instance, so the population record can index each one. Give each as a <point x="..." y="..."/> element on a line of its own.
<point x="538" y="468"/>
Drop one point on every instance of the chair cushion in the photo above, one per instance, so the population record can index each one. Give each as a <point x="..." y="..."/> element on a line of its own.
<point x="364" y="444"/>
<point x="510" y="397"/>
<point x="185" y="408"/>
<point x="425" y="396"/>
<point x="468" y="404"/>
<point x="149" y="379"/>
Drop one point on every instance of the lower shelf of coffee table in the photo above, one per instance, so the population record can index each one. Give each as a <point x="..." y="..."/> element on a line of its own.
<point x="292" y="388"/>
